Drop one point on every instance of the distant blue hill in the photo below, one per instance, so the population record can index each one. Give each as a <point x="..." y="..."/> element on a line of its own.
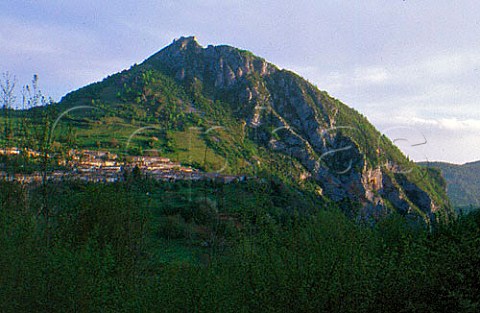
<point x="463" y="182"/>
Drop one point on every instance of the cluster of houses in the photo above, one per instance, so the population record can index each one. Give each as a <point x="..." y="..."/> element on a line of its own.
<point x="101" y="165"/>
<point x="17" y="151"/>
<point x="107" y="164"/>
<point x="104" y="166"/>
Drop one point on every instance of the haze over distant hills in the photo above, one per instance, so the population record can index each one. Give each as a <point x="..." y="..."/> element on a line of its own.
<point x="463" y="182"/>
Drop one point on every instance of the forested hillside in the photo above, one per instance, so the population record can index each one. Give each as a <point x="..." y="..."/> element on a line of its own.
<point x="252" y="247"/>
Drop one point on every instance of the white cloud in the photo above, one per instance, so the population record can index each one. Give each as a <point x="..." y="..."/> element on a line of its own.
<point x="428" y="139"/>
<point x="443" y="123"/>
<point x="372" y="75"/>
<point x="456" y="124"/>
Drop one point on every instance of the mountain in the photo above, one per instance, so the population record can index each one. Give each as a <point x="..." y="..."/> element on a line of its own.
<point x="223" y="109"/>
<point x="463" y="182"/>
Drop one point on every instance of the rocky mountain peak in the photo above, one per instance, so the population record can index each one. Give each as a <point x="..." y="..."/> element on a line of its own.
<point x="289" y="118"/>
<point x="183" y="42"/>
<point x="222" y="65"/>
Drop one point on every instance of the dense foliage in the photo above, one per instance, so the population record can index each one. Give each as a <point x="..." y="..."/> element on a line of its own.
<point x="246" y="247"/>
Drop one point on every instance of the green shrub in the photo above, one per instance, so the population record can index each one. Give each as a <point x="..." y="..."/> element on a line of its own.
<point x="174" y="227"/>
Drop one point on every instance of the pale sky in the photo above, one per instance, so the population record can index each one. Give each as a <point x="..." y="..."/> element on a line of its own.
<point x="412" y="67"/>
